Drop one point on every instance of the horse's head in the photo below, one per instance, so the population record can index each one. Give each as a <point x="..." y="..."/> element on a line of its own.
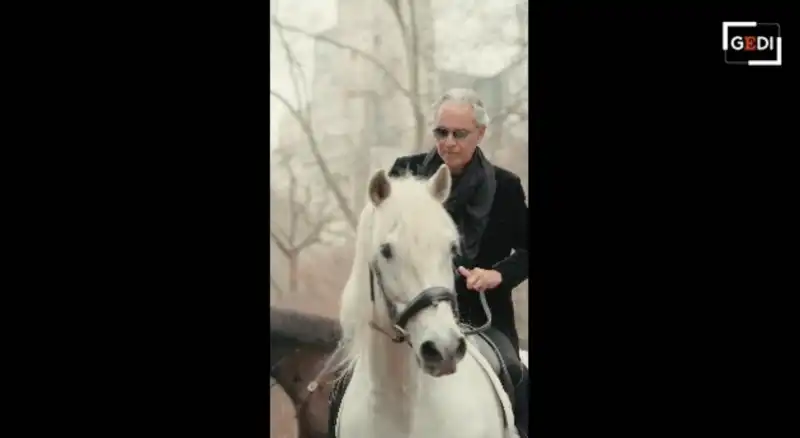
<point x="411" y="246"/>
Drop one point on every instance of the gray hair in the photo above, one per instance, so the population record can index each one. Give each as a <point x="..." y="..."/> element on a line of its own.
<point x="465" y="95"/>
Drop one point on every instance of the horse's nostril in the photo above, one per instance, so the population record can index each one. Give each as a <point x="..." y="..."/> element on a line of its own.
<point x="462" y="348"/>
<point x="429" y="352"/>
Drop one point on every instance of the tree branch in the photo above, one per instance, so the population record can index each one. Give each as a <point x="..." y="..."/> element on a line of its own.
<point x="283" y="237"/>
<point x="413" y="57"/>
<point x="275" y="285"/>
<point x="364" y="55"/>
<point x="308" y="241"/>
<point x="394" y="5"/>
<point x="295" y="71"/>
<point x="284" y="249"/>
<point x="313" y="235"/>
<point x="306" y="199"/>
<point x="341" y="200"/>
<point x="412" y="95"/>
<point x="292" y="203"/>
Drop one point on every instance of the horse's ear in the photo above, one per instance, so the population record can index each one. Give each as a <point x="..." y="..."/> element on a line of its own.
<point x="440" y="183"/>
<point x="379" y="187"/>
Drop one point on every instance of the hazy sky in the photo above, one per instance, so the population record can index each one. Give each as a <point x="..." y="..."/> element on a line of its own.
<point x="466" y="30"/>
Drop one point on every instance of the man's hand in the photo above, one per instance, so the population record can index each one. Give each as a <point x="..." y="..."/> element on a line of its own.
<point x="481" y="279"/>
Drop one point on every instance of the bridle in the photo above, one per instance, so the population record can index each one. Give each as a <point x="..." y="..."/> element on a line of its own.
<point x="427" y="298"/>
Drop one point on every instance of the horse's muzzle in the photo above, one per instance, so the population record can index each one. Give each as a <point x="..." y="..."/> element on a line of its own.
<point x="439" y="356"/>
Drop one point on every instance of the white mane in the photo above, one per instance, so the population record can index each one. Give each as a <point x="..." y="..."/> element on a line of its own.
<point x="421" y="221"/>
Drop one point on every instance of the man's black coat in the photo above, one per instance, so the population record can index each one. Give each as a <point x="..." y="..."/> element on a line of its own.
<point x="507" y="230"/>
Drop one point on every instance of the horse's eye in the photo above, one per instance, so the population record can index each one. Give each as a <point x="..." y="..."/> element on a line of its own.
<point x="386" y="251"/>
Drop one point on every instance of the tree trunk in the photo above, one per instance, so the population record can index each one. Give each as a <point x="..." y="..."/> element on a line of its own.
<point x="414" y="64"/>
<point x="293" y="265"/>
<point x="419" y="131"/>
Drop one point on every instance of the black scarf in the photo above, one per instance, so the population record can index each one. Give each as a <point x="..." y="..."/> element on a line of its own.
<point x="469" y="202"/>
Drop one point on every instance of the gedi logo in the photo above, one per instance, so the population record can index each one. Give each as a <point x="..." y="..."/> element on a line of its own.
<point x="751" y="43"/>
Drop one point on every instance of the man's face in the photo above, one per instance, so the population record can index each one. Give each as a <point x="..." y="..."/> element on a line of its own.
<point x="456" y="134"/>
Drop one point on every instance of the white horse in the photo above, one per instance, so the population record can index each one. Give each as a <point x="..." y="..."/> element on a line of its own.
<point x="414" y="374"/>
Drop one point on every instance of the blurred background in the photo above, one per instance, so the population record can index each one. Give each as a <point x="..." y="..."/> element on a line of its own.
<point x="351" y="88"/>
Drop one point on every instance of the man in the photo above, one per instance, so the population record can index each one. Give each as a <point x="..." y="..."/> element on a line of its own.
<point x="487" y="203"/>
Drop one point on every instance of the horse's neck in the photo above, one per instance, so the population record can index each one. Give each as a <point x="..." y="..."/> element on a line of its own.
<point x="391" y="365"/>
<point x="395" y="378"/>
<point x="393" y="374"/>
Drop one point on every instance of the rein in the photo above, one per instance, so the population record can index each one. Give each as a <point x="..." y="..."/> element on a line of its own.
<point x="428" y="297"/>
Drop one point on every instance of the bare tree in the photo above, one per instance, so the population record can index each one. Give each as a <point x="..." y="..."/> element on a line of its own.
<point x="406" y="18"/>
<point x="415" y="63"/>
<point x="302" y="114"/>
<point x="303" y="223"/>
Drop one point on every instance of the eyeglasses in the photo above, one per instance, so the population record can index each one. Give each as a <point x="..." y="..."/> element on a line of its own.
<point x="458" y="134"/>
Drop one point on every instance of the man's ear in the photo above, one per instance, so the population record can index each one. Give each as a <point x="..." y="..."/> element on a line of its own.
<point x="481" y="133"/>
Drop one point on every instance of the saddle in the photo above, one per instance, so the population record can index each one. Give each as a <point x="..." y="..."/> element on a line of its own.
<point x="492" y="355"/>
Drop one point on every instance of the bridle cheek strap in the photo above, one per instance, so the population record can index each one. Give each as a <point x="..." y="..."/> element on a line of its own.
<point x="429" y="297"/>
